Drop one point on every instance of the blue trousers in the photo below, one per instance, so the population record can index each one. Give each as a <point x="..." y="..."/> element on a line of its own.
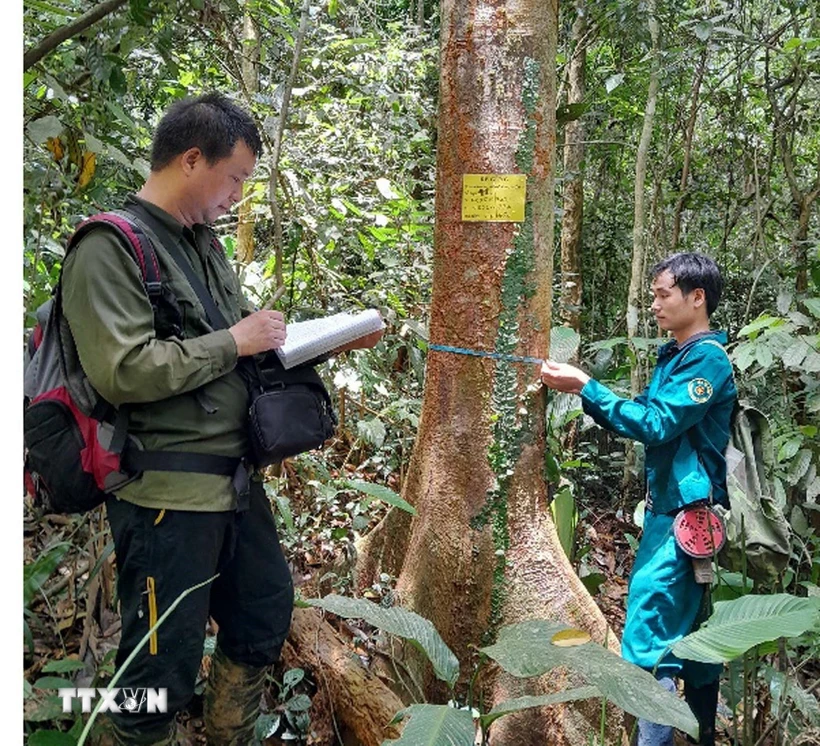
<point x="662" y="605"/>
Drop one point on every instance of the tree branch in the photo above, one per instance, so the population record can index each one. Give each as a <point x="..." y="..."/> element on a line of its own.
<point x="53" y="40"/>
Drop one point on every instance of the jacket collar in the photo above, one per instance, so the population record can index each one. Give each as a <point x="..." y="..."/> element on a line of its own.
<point x="672" y="348"/>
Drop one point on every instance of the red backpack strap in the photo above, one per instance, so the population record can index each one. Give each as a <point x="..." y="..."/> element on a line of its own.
<point x="134" y="237"/>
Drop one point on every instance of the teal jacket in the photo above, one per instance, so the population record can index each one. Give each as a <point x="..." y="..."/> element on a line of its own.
<point x="682" y="418"/>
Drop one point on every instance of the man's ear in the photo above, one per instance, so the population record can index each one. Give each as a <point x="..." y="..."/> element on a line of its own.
<point x="190" y="159"/>
<point x="698" y="297"/>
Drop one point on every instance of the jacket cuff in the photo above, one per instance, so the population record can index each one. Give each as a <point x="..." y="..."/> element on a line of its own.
<point x="222" y="352"/>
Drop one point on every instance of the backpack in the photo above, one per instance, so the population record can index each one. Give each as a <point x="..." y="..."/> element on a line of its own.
<point x="756" y="525"/>
<point x="77" y="447"/>
<point x="758" y="535"/>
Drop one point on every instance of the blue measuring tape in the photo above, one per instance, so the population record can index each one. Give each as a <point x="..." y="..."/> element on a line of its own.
<point x="482" y="353"/>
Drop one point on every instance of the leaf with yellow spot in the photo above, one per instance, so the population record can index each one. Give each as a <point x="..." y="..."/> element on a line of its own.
<point x="87" y="170"/>
<point x="570" y="638"/>
<point x="55" y="146"/>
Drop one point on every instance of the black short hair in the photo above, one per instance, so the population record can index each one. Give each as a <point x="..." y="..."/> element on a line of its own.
<point x="210" y="122"/>
<point x="691" y="271"/>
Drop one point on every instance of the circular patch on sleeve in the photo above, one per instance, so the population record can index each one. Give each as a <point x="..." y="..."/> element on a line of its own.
<point x="700" y="390"/>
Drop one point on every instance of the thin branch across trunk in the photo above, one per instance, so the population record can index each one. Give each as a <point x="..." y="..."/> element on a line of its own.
<point x="53" y="40"/>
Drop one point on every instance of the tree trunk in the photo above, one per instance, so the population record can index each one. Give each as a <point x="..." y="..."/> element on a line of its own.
<point x="250" y="76"/>
<point x="482" y="551"/>
<point x="572" y="221"/>
<point x="359" y="701"/>
<point x="637" y="280"/>
<point x="688" y="136"/>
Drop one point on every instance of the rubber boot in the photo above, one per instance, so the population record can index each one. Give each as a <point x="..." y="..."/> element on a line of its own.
<point x="702" y="700"/>
<point x="232" y="697"/>
<point x="655" y="734"/>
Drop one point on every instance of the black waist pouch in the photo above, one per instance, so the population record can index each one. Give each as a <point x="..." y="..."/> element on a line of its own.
<point x="290" y="410"/>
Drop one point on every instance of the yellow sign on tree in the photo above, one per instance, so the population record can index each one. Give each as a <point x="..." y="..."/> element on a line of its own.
<point x="495" y="198"/>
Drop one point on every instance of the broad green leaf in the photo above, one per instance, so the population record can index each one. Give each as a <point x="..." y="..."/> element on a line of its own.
<point x="744" y="355"/>
<point x="565" y="517"/>
<point x="51" y="738"/>
<point x="792" y="44"/>
<point x="524" y="650"/>
<point x="435" y="725"/>
<point x="737" y="626"/>
<point x="266" y="725"/>
<point x="380" y="492"/>
<point x="812" y="306"/>
<point x="525" y="703"/>
<point x="372" y="431"/>
<point x="613" y="81"/>
<point x="298" y="703"/>
<point x="759" y="323"/>
<point x="764" y="356"/>
<point x="799" y="466"/>
<point x="812" y="363"/>
<point x="789" y="449"/>
<point x="35" y="574"/>
<point x="401" y="623"/>
<point x="386" y="191"/>
<point x="564" y="343"/>
<point x="795" y="353"/>
<point x="52" y="682"/>
<point x="66" y="665"/>
<point x="803" y="701"/>
<point x="41" y="129"/>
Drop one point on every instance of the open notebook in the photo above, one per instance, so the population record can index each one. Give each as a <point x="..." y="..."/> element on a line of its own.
<point x="311" y="339"/>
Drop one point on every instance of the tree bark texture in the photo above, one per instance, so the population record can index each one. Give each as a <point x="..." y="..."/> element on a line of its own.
<point x="358" y="699"/>
<point x="638" y="227"/>
<point x="482" y="551"/>
<point x="572" y="221"/>
<point x="64" y="33"/>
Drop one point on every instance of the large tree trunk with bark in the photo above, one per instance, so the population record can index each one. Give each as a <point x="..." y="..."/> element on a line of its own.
<point x="482" y="551"/>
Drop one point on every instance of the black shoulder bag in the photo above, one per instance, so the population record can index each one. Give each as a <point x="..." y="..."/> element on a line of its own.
<point x="290" y="410"/>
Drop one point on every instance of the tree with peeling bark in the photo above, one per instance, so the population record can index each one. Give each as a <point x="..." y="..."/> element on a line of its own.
<point x="483" y="550"/>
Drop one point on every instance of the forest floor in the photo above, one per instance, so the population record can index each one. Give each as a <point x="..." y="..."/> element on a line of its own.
<point x="62" y="629"/>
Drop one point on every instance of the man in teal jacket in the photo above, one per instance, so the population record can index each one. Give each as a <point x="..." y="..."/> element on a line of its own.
<point x="683" y="419"/>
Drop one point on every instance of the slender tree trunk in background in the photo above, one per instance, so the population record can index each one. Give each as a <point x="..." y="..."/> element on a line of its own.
<point x="420" y="15"/>
<point x="687" y="149"/>
<point x="250" y="75"/>
<point x="482" y="551"/>
<point x="273" y="181"/>
<point x="572" y="221"/>
<point x="636" y="282"/>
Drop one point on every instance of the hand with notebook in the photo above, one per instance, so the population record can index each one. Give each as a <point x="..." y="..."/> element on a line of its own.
<point x="319" y="338"/>
<point x="259" y="332"/>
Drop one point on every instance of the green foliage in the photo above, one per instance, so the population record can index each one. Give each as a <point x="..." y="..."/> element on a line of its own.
<point x="435" y="725"/>
<point x="525" y="650"/>
<point x="737" y="626"/>
<point x="398" y="622"/>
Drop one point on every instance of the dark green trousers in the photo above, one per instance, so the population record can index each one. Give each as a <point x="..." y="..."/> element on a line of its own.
<point x="159" y="554"/>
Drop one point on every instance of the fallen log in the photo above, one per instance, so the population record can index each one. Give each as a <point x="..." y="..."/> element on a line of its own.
<point x="360" y="701"/>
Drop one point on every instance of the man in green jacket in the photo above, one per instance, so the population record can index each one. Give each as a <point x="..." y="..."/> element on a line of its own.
<point x="183" y="393"/>
<point x="683" y="419"/>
